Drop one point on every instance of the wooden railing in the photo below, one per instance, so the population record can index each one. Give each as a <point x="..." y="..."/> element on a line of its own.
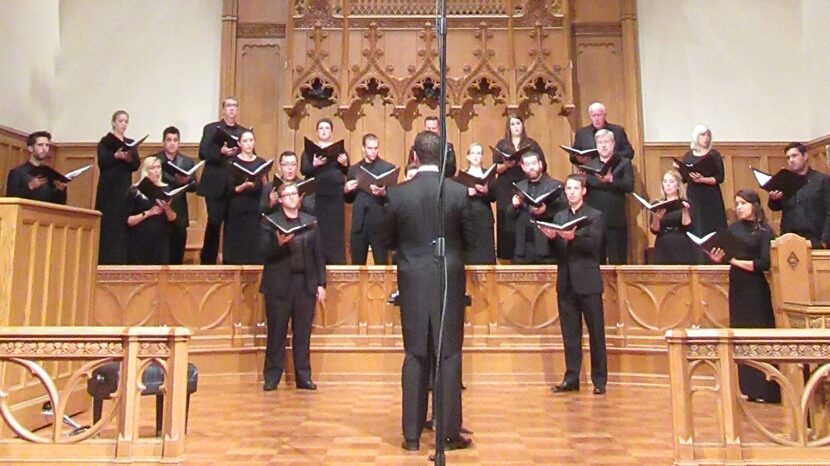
<point x="135" y="348"/>
<point x="731" y="430"/>
<point x="512" y="327"/>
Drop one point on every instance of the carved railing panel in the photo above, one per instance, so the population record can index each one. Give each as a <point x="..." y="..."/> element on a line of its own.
<point x="34" y="348"/>
<point x="511" y="305"/>
<point x="704" y="362"/>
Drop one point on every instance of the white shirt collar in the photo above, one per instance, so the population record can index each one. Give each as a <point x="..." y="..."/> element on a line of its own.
<point x="428" y="168"/>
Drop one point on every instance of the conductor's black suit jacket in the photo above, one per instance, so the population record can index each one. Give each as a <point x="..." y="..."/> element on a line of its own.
<point x="411" y="227"/>
<point x="578" y="260"/>
<point x="276" y="274"/>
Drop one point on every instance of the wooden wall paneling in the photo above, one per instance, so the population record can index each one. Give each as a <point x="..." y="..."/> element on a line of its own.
<point x="258" y="79"/>
<point x="264" y="11"/>
<point x="12" y="152"/>
<point x="227" y="59"/>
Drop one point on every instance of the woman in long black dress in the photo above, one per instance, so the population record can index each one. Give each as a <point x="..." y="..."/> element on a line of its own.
<point x="243" y="222"/>
<point x="149" y="221"/>
<point x="329" y="206"/>
<point x="750" y="305"/>
<point x="481" y="198"/>
<point x="671" y="245"/>
<point x="515" y="138"/>
<point x="116" y="163"/>
<point x="703" y="189"/>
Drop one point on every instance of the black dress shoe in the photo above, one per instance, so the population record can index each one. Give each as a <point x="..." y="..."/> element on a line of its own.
<point x="269" y="386"/>
<point x="565" y="387"/>
<point x="411" y="445"/>
<point x="599" y="390"/>
<point x="457" y="443"/>
<point x="307" y="385"/>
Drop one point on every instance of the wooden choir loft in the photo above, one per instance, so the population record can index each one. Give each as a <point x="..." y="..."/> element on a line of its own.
<point x="371" y="66"/>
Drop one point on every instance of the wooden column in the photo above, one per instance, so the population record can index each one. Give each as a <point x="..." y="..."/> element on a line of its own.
<point x="227" y="76"/>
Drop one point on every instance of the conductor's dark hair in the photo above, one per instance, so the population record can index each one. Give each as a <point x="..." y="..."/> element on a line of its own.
<point x="170" y="130"/>
<point x="32" y="138"/>
<point x="428" y="147"/>
<point x="325" y="120"/>
<point x="796" y="145"/>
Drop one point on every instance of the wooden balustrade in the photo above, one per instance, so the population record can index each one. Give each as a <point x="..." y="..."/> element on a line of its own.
<point x="704" y="364"/>
<point x="512" y="327"/>
<point x="33" y="348"/>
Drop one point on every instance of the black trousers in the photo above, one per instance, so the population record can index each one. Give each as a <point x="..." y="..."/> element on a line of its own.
<point x="217" y="213"/>
<point x="415" y="385"/>
<point x="359" y="246"/>
<point x="298" y="307"/>
<point x="178" y="242"/>
<point x="614" y="249"/>
<point x="572" y="307"/>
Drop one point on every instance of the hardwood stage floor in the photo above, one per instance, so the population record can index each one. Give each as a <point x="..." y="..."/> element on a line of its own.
<point x="239" y="424"/>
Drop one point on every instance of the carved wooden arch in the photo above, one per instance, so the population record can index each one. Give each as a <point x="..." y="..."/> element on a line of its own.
<point x="316" y="76"/>
<point x="539" y="78"/>
<point x="373" y="78"/>
<point x="485" y="77"/>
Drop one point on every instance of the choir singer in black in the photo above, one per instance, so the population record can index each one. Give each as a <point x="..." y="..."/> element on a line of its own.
<point x="585" y="137"/>
<point x="22" y="184"/>
<point x="174" y="163"/>
<point x="218" y="145"/>
<point x="579" y="287"/>
<point x="807" y="212"/>
<point x="411" y="227"/>
<point x="367" y="208"/>
<point x="117" y="163"/>
<point x="531" y="245"/>
<point x="293" y="279"/>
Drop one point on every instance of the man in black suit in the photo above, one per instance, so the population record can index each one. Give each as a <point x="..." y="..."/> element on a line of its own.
<point x="607" y="193"/>
<point x="584" y="138"/>
<point x="20" y="182"/>
<point x="215" y="184"/>
<point x="293" y="276"/>
<point x="579" y="287"/>
<point x="431" y="125"/>
<point x="175" y="179"/>
<point x="531" y="247"/>
<point x="807" y="212"/>
<point x="289" y="167"/>
<point x="411" y="227"/>
<point x="367" y="207"/>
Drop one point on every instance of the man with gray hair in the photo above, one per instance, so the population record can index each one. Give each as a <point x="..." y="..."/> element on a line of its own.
<point x="606" y="193"/>
<point x="584" y="138"/>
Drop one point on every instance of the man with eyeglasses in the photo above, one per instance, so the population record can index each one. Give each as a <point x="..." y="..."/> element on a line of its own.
<point x="293" y="278"/>
<point x="288" y="165"/>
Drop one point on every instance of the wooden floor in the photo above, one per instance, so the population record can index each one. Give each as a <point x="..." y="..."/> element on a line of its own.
<point x="360" y="424"/>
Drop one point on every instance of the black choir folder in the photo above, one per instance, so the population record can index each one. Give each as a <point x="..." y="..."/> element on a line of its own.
<point x="785" y="181"/>
<point x="154" y="192"/>
<point x="52" y="175"/>
<point x="224" y="137"/>
<point x="604" y="169"/>
<point x="502" y="156"/>
<point x="181" y="171"/>
<point x="305" y="186"/>
<point x="575" y="223"/>
<point x="365" y="178"/>
<point x="286" y="230"/>
<point x="731" y="245"/>
<point x="242" y="174"/>
<point x="705" y="166"/>
<point x="471" y="181"/>
<point x="540" y="199"/>
<point x="668" y="204"/>
<point x="131" y="145"/>
<point x="592" y="152"/>
<point x="330" y="152"/>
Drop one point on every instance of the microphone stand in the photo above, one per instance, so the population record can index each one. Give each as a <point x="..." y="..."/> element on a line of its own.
<point x="440" y="244"/>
